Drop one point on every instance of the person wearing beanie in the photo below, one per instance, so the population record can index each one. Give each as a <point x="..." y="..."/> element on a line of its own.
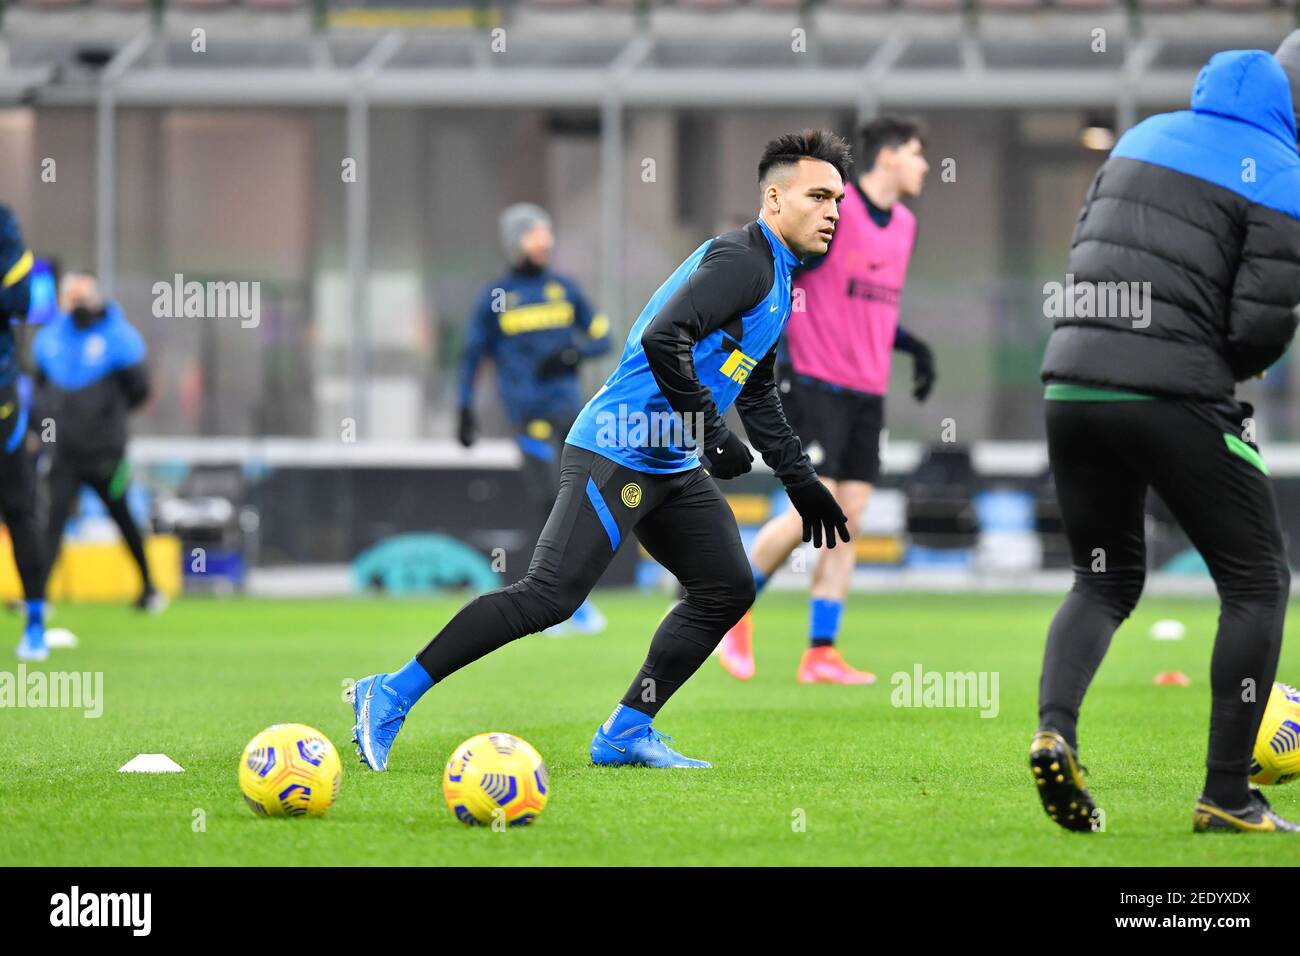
<point x="536" y="325"/>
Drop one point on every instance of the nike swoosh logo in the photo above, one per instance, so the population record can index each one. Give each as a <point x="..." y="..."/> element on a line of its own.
<point x="364" y="736"/>
<point x="365" y="705"/>
<point x="621" y="750"/>
<point x="773" y="309"/>
<point x="717" y="451"/>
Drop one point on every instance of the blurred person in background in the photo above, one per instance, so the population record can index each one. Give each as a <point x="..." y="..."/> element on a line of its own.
<point x="90" y="375"/>
<point x="17" y="467"/>
<point x="1145" y="399"/>
<point x="833" y="385"/>
<point x="537" y="326"/>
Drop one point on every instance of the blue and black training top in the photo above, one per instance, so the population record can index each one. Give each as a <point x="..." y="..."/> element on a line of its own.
<point x="15" y="284"/>
<point x="706" y="339"/>
<point x="519" y="320"/>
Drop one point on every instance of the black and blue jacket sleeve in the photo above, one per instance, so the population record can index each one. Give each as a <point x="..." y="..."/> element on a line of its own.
<point x="729" y="281"/>
<point x="15" y="269"/>
<point x="765" y="423"/>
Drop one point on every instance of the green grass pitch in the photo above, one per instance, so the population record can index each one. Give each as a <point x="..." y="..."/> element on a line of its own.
<point x="871" y="783"/>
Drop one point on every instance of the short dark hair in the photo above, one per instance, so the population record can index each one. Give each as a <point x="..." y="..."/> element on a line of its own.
<point x="820" y="144"/>
<point x="887" y="132"/>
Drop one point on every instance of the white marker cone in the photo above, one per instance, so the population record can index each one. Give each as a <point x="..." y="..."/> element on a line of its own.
<point x="151" y="763"/>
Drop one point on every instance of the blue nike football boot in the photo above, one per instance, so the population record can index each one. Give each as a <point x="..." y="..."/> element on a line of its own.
<point x="32" y="647"/>
<point x="380" y="712"/>
<point x="640" y="746"/>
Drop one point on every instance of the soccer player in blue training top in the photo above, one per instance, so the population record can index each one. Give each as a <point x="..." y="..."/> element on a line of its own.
<point x="536" y="325"/>
<point x="706" y="339"/>
<point x="1142" y="397"/>
<point x="17" y="470"/>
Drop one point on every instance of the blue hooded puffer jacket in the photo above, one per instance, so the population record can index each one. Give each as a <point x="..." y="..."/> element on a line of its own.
<point x="1193" y="223"/>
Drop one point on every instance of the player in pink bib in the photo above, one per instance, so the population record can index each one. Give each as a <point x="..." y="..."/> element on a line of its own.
<point x="842" y="333"/>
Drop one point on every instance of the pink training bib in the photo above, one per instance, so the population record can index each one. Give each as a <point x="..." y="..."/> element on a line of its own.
<point x="845" y="333"/>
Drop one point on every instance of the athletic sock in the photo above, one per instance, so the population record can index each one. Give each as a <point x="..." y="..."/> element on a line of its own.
<point x="760" y="579"/>
<point x="36" y="616"/>
<point x="824" y="621"/>
<point x="411" y="682"/>
<point x="1228" y="790"/>
<point x="624" y="718"/>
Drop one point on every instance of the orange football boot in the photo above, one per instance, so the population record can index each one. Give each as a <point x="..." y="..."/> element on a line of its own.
<point x="823" y="665"/>
<point x="737" y="657"/>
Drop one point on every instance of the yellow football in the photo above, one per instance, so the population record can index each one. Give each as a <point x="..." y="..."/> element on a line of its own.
<point x="497" y="780"/>
<point x="290" y="770"/>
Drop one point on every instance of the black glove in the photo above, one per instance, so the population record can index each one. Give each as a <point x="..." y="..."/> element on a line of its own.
<point x="558" y="363"/>
<point x="821" y="513"/>
<point x="923" y="373"/>
<point x="728" y="456"/>
<point x="467" y="430"/>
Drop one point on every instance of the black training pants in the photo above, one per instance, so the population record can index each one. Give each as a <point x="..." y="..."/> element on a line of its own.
<point x="1196" y="457"/>
<point x="541" y="441"/>
<point x="106" y="474"/>
<point x="682" y="520"/>
<point x="18" y="495"/>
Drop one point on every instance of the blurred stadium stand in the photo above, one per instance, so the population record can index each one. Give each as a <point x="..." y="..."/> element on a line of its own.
<point x="451" y="14"/>
<point x="226" y="165"/>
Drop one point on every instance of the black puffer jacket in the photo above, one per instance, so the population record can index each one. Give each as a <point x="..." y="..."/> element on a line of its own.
<point x="1196" y="214"/>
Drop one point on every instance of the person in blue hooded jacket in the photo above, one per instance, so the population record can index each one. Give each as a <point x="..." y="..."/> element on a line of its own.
<point x="17" y="470"/>
<point x="90" y="375"/>
<point x="1183" y="278"/>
